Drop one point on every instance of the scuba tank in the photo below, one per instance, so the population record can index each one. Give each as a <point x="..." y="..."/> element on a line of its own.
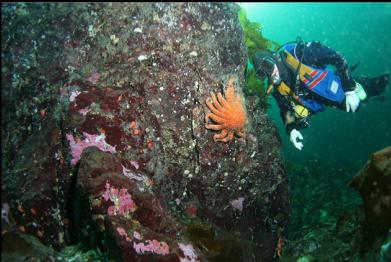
<point x="297" y="76"/>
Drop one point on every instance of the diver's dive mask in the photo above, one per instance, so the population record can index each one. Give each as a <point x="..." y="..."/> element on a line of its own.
<point x="266" y="67"/>
<point x="275" y="76"/>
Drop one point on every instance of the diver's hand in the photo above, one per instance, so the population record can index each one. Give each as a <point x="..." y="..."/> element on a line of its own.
<point x="360" y="91"/>
<point x="295" y="134"/>
<point x="351" y="101"/>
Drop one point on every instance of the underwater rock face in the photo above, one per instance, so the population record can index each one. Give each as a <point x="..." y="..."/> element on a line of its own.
<point x="36" y="187"/>
<point x="124" y="235"/>
<point x="374" y="184"/>
<point x="14" y="241"/>
<point x="138" y="76"/>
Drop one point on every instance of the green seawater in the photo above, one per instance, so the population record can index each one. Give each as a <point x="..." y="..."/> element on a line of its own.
<point x="325" y="211"/>
<point x="359" y="31"/>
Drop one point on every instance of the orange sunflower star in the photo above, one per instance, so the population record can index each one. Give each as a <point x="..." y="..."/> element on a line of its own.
<point x="228" y="113"/>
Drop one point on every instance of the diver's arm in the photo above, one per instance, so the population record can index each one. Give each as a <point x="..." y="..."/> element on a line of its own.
<point x="317" y="54"/>
<point x="297" y="124"/>
<point x="287" y="115"/>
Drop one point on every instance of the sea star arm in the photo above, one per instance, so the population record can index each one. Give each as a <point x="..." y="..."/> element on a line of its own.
<point x="229" y="137"/>
<point x="217" y="119"/>
<point x="214" y="109"/>
<point x="222" y="135"/>
<point x="222" y="101"/>
<point x="214" y="127"/>
<point x="217" y="103"/>
<point x="240" y="133"/>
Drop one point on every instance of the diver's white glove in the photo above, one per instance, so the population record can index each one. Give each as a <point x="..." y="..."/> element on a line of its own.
<point x="353" y="97"/>
<point x="360" y="91"/>
<point x="295" y="134"/>
<point x="352" y="101"/>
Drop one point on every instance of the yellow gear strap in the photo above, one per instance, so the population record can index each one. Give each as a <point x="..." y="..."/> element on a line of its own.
<point x="285" y="90"/>
<point x="301" y="111"/>
<point x="294" y="64"/>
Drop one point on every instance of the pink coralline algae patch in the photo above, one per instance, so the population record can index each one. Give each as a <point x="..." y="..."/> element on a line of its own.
<point x="137" y="235"/>
<point x="121" y="231"/>
<point x="84" y="111"/>
<point x="154" y="246"/>
<point x="135" y="164"/>
<point x="90" y="140"/>
<point x="126" y="172"/>
<point x="237" y="203"/>
<point x="93" y="78"/>
<point x="122" y="200"/>
<point x="73" y="96"/>
<point x="189" y="252"/>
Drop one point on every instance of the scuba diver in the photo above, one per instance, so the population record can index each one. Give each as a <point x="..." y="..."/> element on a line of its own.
<point x="305" y="77"/>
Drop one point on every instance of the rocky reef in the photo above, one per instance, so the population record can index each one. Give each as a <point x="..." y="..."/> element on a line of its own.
<point x="104" y="140"/>
<point x="373" y="182"/>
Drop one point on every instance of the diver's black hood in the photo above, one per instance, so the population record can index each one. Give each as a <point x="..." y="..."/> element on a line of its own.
<point x="265" y="69"/>
<point x="286" y="74"/>
<point x="263" y="62"/>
